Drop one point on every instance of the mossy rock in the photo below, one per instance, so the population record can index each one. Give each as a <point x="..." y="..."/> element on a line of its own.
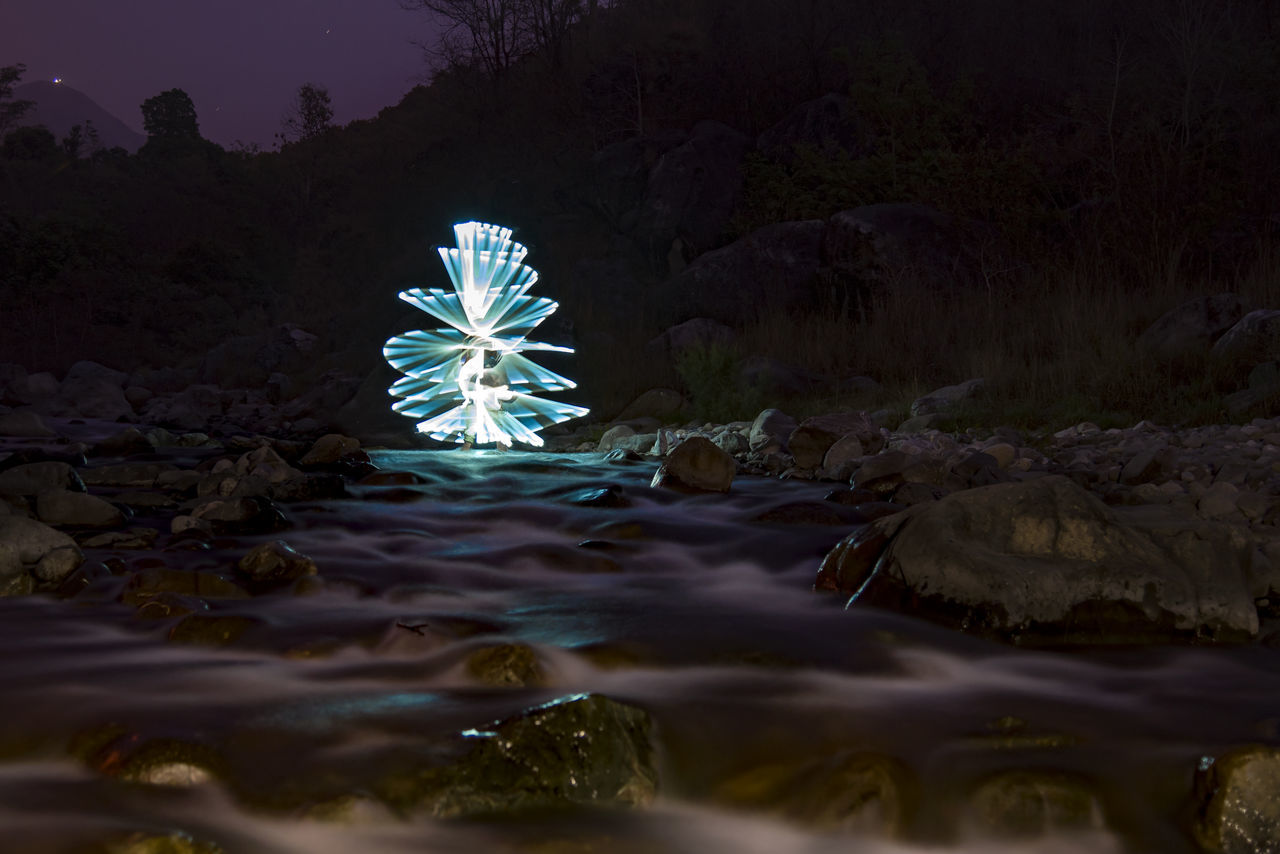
<point x="1238" y="801"/>
<point x="144" y="842"/>
<point x="848" y="792"/>
<point x="581" y="750"/>
<point x="508" y="664"/>
<point x="1022" y="804"/>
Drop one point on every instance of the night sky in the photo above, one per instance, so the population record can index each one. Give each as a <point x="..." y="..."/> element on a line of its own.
<point x="241" y="61"/>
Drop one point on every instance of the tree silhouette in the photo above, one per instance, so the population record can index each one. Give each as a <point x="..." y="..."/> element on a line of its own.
<point x="11" y="110"/>
<point x="310" y="114"/>
<point x="170" y="116"/>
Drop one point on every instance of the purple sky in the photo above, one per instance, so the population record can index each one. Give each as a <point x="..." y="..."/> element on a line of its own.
<point x="241" y="61"/>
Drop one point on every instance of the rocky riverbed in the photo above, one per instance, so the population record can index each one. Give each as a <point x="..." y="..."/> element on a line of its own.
<point x="1030" y="643"/>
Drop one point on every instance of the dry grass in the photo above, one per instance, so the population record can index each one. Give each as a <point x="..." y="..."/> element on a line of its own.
<point x="1058" y="346"/>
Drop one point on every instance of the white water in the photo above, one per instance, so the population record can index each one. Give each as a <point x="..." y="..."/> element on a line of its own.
<point x="713" y="629"/>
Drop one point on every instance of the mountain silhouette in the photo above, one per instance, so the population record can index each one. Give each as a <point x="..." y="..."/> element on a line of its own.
<point x="58" y="107"/>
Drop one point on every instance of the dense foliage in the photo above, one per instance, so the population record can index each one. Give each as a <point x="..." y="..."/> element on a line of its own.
<point x="1104" y="148"/>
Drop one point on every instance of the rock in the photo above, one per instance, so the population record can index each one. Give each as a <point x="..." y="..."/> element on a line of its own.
<point x="134" y="538"/>
<point x="1238" y="801"/>
<point x="1045" y="559"/>
<point x="34" y="478"/>
<point x="912" y="493"/>
<point x="149" y="584"/>
<point x="874" y="246"/>
<point x="126" y="443"/>
<point x="57" y="563"/>
<point x="329" y="449"/>
<point x="138" y="475"/>
<point x="191" y="409"/>
<point x="811" y="440"/>
<point x="1192" y="327"/>
<point x="246" y="361"/>
<point x="620" y="173"/>
<point x="946" y="399"/>
<point x="582" y="749"/>
<point x="640" y="443"/>
<point x="882" y="473"/>
<point x="249" y="515"/>
<point x="77" y="509"/>
<point x="699" y="332"/>
<point x="1218" y="500"/>
<point x="825" y="125"/>
<point x="977" y="468"/>
<point x="275" y="562"/>
<point x="1147" y="465"/>
<point x="96" y="391"/>
<point x="660" y="403"/>
<point x="696" y="465"/>
<point x="507" y="664"/>
<point x="24" y="423"/>
<point x="612" y="436"/>
<point x="731" y="442"/>
<point x="768" y="377"/>
<point x="692" y="191"/>
<point x="771" y="429"/>
<point x="921" y="423"/>
<point x="772" y="269"/>
<point x="1254" y="338"/>
<point x="863" y="793"/>
<point x="1022" y="804"/>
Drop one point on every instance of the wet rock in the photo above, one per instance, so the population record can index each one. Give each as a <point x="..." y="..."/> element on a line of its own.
<point x="803" y="513"/>
<point x="1022" y="804"/>
<point x="134" y="538"/>
<point x="583" y="749"/>
<point x="137" y="475"/>
<point x="211" y="629"/>
<point x="275" y="562"/>
<point x="861" y="793"/>
<point x="26" y="424"/>
<point x="53" y="553"/>
<point x="1238" y="801"/>
<point x="253" y="515"/>
<point x="508" y="664"/>
<point x="602" y="496"/>
<point x="152" y="582"/>
<point x="811" y="440"/>
<point x="57" y="564"/>
<point x="1046" y="560"/>
<point x="613" y="436"/>
<point x="126" y="443"/>
<point x="696" y="465"/>
<point x="77" y="509"/>
<point x="771" y="429"/>
<point x="34" y="478"/>
<point x="329" y="449"/>
<point x="174" y="842"/>
<point x="847" y="567"/>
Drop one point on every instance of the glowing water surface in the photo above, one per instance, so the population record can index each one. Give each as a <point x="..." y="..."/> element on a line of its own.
<point x="679" y="604"/>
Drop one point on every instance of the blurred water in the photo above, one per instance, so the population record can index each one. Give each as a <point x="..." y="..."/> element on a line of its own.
<point x="678" y="604"/>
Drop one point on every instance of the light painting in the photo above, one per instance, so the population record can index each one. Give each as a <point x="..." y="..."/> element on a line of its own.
<point x="470" y="383"/>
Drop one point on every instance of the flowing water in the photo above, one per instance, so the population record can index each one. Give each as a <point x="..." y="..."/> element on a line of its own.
<point x="682" y="605"/>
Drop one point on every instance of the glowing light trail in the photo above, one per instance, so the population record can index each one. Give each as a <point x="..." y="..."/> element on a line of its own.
<point x="469" y="383"/>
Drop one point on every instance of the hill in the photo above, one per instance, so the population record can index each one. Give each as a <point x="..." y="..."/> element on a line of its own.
<point x="59" y="107"/>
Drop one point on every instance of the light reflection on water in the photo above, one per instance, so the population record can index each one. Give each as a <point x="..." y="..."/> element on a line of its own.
<point x="706" y="621"/>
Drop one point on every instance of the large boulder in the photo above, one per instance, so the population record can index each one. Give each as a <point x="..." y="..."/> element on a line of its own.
<point x="825" y="125"/>
<point x="1238" y="801"/>
<point x="1046" y="561"/>
<point x="52" y="555"/>
<point x="95" y="391"/>
<point x="773" y="269"/>
<point x="1254" y="338"/>
<point x="247" y="361"/>
<point x="878" y="245"/>
<point x="1192" y="327"/>
<point x="620" y="174"/>
<point x="696" y="465"/>
<point x="692" y="192"/>
<point x="810" y="441"/>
